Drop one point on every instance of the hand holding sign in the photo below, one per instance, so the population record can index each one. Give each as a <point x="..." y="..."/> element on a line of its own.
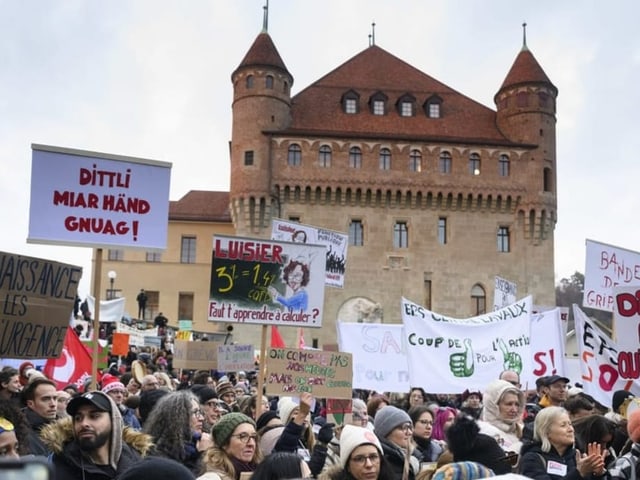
<point x="461" y="364"/>
<point x="512" y="360"/>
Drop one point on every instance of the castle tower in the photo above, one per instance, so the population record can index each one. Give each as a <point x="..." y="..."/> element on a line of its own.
<point x="261" y="104"/>
<point x="526" y="113"/>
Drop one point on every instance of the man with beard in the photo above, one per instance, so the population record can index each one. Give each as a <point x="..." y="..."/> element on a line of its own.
<point x="91" y="444"/>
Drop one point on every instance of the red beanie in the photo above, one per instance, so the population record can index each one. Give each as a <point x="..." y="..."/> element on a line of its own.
<point x="110" y="382"/>
<point x="633" y="426"/>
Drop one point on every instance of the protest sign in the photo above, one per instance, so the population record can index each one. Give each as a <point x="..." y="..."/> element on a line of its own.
<point x="120" y="345"/>
<point x="335" y="242"/>
<point x="606" y="267"/>
<point x="605" y="368"/>
<point x="323" y="374"/>
<point x="37" y="304"/>
<point x="626" y="317"/>
<point x="465" y="353"/>
<point x="266" y="282"/>
<point x="504" y="293"/>
<point x="233" y="358"/>
<point x="195" y="355"/>
<point x="136" y="336"/>
<point x="110" y="310"/>
<point x="547" y="349"/>
<point x="97" y="200"/>
<point x="379" y="356"/>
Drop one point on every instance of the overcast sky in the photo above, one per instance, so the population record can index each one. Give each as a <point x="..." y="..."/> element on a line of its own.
<point x="151" y="79"/>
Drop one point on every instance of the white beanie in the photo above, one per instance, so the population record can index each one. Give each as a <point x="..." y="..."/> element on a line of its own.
<point x="352" y="437"/>
<point x="389" y="418"/>
<point x="286" y="405"/>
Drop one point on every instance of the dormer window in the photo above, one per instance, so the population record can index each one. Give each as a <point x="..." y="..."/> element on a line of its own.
<point x="350" y="102"/>
<point x="378" y="104"/>
<point x="433" y="107"/>
<point x="406" y="106"/>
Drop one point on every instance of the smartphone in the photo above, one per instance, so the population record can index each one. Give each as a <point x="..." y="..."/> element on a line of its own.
<point x="26" y="468"/>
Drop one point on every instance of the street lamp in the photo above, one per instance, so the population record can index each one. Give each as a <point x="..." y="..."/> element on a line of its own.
<point x="112" y="278"/>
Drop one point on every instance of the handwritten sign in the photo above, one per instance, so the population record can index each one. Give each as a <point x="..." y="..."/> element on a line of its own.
<point x="266" y="282"/>
<point x="233" y="358"/>
<point x="37" y="303"/>
<point x="335" y="242"/>
<point x="607" y="267"/>
<point x="323" y="374"/>
<point x="626" y="316"/>
<point x="379" y="356"/>
<point x="195" y="355"/>
<point x="137" y="337"/>
<point x="505" y="293"/>
<point x="98" y="200"/>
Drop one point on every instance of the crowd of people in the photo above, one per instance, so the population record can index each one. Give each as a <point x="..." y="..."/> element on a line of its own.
<point x="214" y="426"/>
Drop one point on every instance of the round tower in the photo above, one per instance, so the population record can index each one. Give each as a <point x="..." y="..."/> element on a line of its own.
<point x="261" y="104"/>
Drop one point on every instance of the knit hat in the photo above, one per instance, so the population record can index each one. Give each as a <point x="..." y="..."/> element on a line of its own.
<point x="223" y="388"/>
<point x="157" y="468"/>
<point x="633" y="426"/>
<point x="619" y="396"/>
<point x="352" y="437"/>
<point x="222" y="430"/>
<point x="388" y="418"/>
<point x="204" y="393"/>
<point x="110" y="382"/>
<point x="462" y="471"/>
<point x="286" y="405"/>
<point x="265" y="418"/>
<point x="269" y="438"/>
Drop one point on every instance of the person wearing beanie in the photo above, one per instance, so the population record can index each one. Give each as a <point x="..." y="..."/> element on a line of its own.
<point x="462" y="471"/>
<point x="394" y="429"/>
<point x="268" y="419"/>
<point x="112" y="386"/>
<point x="227" y="394"/>
<point x="626" y="466"/>
<point x="235" y="448"/>
<point x="210" y="405"/>
<point x="157" y="468"/>
<point x="620" y="402"/>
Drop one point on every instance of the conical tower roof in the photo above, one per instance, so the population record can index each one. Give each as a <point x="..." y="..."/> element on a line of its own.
<point x="263" y="53"/>
<point x="526" y="70"/>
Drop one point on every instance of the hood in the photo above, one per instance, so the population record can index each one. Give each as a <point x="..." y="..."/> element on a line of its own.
<point x="491" y="412"/>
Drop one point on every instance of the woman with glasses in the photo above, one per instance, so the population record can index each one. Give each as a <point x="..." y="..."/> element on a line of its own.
<point x="394" y="429"/>
<point x="235" y="449"/>
<point x="175" y="423"/>
<point x="426" y="448"/>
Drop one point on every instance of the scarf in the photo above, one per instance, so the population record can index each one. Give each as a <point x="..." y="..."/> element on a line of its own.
<point x="240" y="466"/>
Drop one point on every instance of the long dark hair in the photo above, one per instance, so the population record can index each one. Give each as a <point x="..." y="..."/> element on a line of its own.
<point x="279" y="465"/>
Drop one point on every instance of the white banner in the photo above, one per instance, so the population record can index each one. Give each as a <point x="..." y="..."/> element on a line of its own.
<point x="379" y="357"/>
<point x="626" y="317"/>
<point x="606" y="267"/>
<point x="450" y="355"/>
<point x="504" y="293"/>
<point x="547" y="349"/>
<point x="137" y="337"/>
<point x="110" y="310"/>
<point x="604" y="367"/>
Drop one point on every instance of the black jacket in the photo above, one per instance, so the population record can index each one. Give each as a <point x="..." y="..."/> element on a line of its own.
<point x="395" y="457"/>
<point x="534" y="463"/>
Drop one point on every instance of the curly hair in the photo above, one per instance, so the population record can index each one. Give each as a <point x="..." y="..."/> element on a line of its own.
<point x="12" y="413"/>
<point x="291" y="266"/>
<point x="169" y="423"/>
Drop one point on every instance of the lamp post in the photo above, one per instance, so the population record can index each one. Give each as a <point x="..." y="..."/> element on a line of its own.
<point x="112" y="278"/>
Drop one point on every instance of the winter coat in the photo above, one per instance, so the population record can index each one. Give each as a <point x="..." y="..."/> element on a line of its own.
<point x="534" y="463"/>
<point x="508" y="434"/>
<point x="395" y="457"/>
<point x="36" y="423"/>
<point x="291" y="441"/>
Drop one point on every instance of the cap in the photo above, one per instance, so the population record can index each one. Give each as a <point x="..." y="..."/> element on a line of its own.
<point x="556" y="378"/>
<point x="97" y="399"/>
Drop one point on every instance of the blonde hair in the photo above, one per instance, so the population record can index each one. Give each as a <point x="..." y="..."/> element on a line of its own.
<point x="217" y="460"/>
<point x="542" y="425"/>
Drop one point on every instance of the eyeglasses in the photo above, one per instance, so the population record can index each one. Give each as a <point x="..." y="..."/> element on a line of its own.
<point x="425" y="422"/>
<point x="244" y="437"/>
<point x="197" y="413"/>
<point x="362" y="459"/>
<point x="405" y="427"/>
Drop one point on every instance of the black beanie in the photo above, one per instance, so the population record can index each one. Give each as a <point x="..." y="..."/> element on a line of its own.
<point x="265" y="418"/>
<point x="619" y="396"/>
<point x="157" y="468"/>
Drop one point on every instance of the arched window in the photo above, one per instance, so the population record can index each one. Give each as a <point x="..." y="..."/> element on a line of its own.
<point x="474" y="164"/>
<point x="385" y="159"/>
<point x="249" y="81"/>
<point x="503" y="165"/>
<point x="355" y="157"/>
<point x="415" y="161"/>
<point x="324" y="156"/>
<point x="445" y="162"/>
<point x="269" y="81"/>
<point x="294" y="158"/>
<point x="478" y="300"/>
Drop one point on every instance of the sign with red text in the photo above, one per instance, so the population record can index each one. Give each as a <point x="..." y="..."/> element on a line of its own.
<point x="548" y="352"/>
<point x="266" y="282"/>
<point x="607" y="267"/>
<point x="626" y="317"/>
<point x="336" y="243"/>
<point x="37" y="305"/>
<point x="604" y="366"/>
<point x="291" y="372"/>
<point x="98" y="200"/>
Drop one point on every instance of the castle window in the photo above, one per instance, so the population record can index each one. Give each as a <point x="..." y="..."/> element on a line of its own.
<point x="474" y="164"/>
<point x="522" y="99"/>
<point x="503" y="238"/>
<point x="547" y="180"/>
<point x="350" y="101"/>
<point x="269" y="82"/>
<point x="478" y="300"/>
<point x="400" y="235"/>
<point x="442" y="230"/>
<point x="188" y="249"/>
<point x="285" y="87"/>
<point x="445" y="163"/>
<point x="294" y="157"/>
<point x="407" y="106"/>
<point x="503" y="166"/>
<point x="378" y="104"/>
<point x="433" y="107"/>
<point x="115" y="255"/>
<point x="153" y="257"/>
<point x="248" y="158"/>
<point x="324" y="156"/>
<point x="249" y="81"/>
<point x="415" y="161"/>
<point x="355" y="157"/>
<point x="356" y="233"/>
<point x="385" y="159"/>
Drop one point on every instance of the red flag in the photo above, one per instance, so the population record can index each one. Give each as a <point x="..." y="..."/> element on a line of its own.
<point x="73" y="365"/>
<point x="301" y="343"/>
<point x="276" y="339"/>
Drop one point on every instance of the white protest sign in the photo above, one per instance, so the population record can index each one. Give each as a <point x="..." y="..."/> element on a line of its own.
<point x="504" y="293"/>
<point x="547" y="349"/>
<point x="606" y="267"/>
<point x="233" y="358"/>
<point x="110" y="310"/>
<point x="626" y="317"/>
<point x="603" y="366"/>
<point x="379" y="358"/>
<point x="136" y="336"/>
<point x="450" y="355"/>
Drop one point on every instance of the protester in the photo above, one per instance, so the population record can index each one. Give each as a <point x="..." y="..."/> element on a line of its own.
<point x="502" y="414"/>
<point x="116" y="390"/>
<point x="157" y="468"/>
<point x="281" y="466"/>
<point x="41" y="408"/>
<point x="62" y="401"/>
<point x="394" y="429"/>
<point x="12" y="414"/>
<point x="626" y="466"/>
<point x="443" y="418"/>
<point x="10" y="386"/>
<point x="8" y="440"/>
<point x="462" y="471"/>
<point x="471" y="403"/>
<point x="426" y="448"/>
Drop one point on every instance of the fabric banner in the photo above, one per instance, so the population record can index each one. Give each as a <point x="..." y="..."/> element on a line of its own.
<point x="605" y="368"/>
<point x="626" y="317"/>
<point x="136" y="336"/>
<point x="450" y="355"/>
<point x="74" y="364"/>
<point x="379" y="357"/>
<point x="547" y="350"/>
<point x="110" y="310"/>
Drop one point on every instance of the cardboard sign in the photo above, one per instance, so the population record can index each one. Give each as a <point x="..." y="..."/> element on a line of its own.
<point x="37" y="298"/>
<point x="505" y="293"/>
<point x="195" y="355"/>
<point x="233" y="358"/>
<point x="323" y="374"/>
